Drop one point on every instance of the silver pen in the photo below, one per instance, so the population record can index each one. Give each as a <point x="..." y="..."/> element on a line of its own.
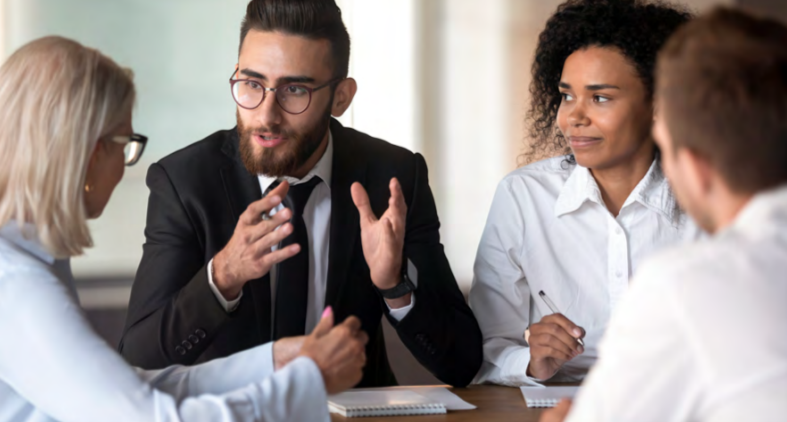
<point x="554" y="310"/>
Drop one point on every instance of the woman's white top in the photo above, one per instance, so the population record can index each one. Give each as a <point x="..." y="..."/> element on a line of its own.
<point x="548" y="229"/>
<point x="53" y="367"/>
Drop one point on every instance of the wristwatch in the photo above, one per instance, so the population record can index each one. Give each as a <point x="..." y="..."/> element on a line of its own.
<point x="408" y="285"/>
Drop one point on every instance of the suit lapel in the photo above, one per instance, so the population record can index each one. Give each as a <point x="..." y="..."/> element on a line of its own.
<point x="345" y="220"/>
<point x="241" y="189"/>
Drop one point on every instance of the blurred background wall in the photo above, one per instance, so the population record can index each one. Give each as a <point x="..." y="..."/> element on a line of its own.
<point x="447" y="78"/>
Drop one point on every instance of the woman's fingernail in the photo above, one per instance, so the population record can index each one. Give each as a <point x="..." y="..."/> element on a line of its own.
<point x="577" y="332"/>
<point x="580" y="349"/>
<point x="276" y="199"/>
<point x="328" y="310"/>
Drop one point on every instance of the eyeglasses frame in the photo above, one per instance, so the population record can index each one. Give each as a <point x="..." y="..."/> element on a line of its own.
<point x="127" y="139"/>
<point x="265" y="91"/>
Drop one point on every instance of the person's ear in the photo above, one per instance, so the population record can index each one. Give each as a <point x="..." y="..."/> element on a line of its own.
<point x="98" y="151"/>
<point x="697" y="172"/>
<point x="343" y="96"/>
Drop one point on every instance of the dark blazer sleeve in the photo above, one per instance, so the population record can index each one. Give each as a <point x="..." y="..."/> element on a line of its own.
<point x="173" y="314"/>
<point x="441" y="330"/>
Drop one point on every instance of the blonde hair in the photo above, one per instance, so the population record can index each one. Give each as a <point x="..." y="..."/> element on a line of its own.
<point x="57" y="99"/>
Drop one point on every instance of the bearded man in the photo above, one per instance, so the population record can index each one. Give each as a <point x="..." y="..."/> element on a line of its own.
<point x="353" y="223"/>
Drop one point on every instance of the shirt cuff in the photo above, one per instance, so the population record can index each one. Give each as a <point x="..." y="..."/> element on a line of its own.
<point x="228" y="305"/>
<point x="515" y="368"/>
<point x="399" y="313"/>
<point x="268" y="366"/>
<point x="506" y="366"/>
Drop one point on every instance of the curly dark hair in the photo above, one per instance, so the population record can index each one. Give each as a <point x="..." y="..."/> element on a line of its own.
<point x="637" y="28"/>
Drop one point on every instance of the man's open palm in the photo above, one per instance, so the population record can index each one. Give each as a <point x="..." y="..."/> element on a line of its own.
<point x="383" y="238"/>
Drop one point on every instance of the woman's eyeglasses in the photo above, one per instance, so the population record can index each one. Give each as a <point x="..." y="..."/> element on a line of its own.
<point x="134" y="145"/>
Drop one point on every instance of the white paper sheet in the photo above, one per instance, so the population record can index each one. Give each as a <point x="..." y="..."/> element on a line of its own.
<point x="444" y="396"/>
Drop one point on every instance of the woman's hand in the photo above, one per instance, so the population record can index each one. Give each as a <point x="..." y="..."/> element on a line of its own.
<point x="339" y="352"/>
<point x="553" y="342"/>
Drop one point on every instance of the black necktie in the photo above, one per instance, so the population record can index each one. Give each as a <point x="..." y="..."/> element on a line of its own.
<point x="292" y="275"/>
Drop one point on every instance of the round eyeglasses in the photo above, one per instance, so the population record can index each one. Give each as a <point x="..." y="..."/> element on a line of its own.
<point x="134" y="145"/>
<point x="292" y="98"/>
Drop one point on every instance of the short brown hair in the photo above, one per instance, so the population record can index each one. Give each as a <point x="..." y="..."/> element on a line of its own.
<point x="312" y="19"/>
<point x="722" y="85"/>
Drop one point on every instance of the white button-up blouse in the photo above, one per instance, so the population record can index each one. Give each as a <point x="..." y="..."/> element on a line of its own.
<point x="548" y="229"/>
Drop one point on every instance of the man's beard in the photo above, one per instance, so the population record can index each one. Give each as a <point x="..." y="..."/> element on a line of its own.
<point x="287" y="158"/>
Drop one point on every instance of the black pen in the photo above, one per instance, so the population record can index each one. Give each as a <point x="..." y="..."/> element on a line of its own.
<point x="554" y="310"/>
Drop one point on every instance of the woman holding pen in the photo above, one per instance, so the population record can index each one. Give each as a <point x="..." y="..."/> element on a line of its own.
<point x="564" y="234"/>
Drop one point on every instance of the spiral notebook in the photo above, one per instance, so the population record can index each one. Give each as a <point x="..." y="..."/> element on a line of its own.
<point x="547" y="396"/>
<point x="391" y="402"/>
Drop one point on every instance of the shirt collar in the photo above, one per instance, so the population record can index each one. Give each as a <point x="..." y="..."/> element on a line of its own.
<point x="578" y="188"/>
<point x="323" y="169"/>
<point x="762" y="208"/>
<point x="26" y="238"/>
<point x="652" y="191"/>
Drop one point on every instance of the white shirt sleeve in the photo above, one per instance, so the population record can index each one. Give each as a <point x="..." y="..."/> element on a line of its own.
<point x="646" y="369"/>
<point x="228" y="305"/>
<point x="399" y="313"/>
<point x="225" y="374"/>
<point x="500" y="294"/>
<point x="61" y="367"/>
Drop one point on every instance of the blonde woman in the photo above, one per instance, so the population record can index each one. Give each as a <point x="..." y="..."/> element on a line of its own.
<point x="65" y="137"/>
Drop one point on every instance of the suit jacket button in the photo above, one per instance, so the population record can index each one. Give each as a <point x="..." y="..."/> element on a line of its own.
<point x="180" y="350"/>
<point x="200" y="333"/>
<point x="187" y="345"/>
<point x="194" y="339"/>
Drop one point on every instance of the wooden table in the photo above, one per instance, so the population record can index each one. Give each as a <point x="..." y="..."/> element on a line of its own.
<point x="494" y="404"/>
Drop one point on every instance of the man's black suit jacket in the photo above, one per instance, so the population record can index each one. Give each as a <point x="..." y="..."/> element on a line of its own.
<point x="196" y="197"/>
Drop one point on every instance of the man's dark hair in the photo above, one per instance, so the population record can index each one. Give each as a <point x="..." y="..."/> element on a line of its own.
<point x="312" y="19"/>
<point x="722" y="86"/>
<point x="636" y="28"/>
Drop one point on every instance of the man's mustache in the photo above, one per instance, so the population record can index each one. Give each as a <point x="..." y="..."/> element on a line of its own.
<point x="272" y="131"/>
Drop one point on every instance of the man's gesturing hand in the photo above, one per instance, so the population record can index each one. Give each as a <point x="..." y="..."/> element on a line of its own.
<point x="339" y="352"/>
<point x="248" y="254"/>
<point x="383" y="238"/>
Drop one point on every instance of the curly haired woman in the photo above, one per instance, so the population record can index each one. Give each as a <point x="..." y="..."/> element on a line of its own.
<point x="577" y="225"/>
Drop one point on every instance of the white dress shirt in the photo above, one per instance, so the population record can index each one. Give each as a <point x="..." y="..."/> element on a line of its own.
<point x="548" y="229"/>
<point x="53" y="367"/>
<point x="701" y="335"/>
<point x="317" y="217"/>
